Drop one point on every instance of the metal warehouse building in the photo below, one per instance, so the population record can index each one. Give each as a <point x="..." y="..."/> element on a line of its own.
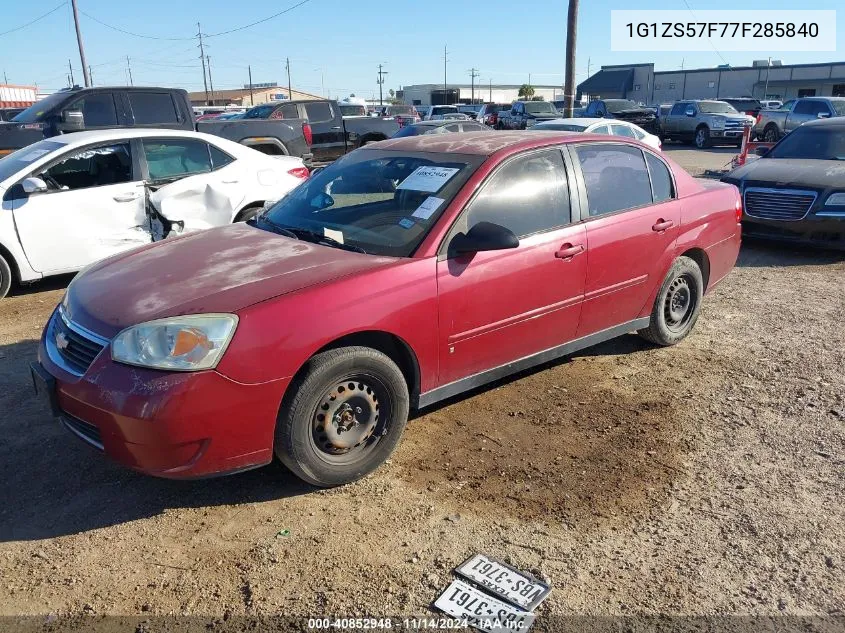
<point x="641" y="83"/>
<point x="434" y="94"/>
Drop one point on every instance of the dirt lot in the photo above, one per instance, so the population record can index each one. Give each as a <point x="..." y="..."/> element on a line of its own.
<point x="708" y="478"/>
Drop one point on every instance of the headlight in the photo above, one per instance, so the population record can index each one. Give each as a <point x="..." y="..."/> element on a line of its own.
<point x="835" y="200"/>
<point x="186" y="343"/>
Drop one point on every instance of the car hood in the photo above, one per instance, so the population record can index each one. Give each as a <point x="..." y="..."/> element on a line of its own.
<point x="793" y="173"/>
<point x="17" y="135"/>
<point x="219" y="270"/>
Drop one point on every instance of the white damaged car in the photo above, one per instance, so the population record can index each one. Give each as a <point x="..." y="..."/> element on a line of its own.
<point x="73" y="199"/>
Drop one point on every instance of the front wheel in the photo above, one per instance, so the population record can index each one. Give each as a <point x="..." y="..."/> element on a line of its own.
<point x="677" y="305"/>
<point x="702" y="137"/>
<point x="344" y="418"/>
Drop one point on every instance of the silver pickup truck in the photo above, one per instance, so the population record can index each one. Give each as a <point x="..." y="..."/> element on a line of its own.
<point x="773" y="124"/>
<point x="705" y="123"/>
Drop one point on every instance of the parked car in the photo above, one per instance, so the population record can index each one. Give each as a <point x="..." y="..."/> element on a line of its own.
<point x="705" y="123"/>
<point x="623" y="109"/>
<point x="771" y="125"/>
<point x="599" y="126"/>
<point x="661" y="112"/>
<point x="796" y="191"/>
<point x="436" y="112"/>
<point x="73" y="199"/>
<point x="524" y="114"/>
<point x="178" y="365"/>
<point x="332" y="135"/>
<point x="470" y="110"/>
<point x="488" y="114"/>
<point x="402" y="114"/>
<point x="422" y="111"/>
<point x="441" y="127"/>
<point x="78" y="109"/>
<point x="7" y="114"/>
<point x="746" y="105"/>
<point x="771" y="104"/>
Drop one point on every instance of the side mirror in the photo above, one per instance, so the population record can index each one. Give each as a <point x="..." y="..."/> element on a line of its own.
<point x="33" y="185"/>
<point x="823" y="115"/>
<point x="321" y="201"/>
<point x="690" y="111"/>
<point x="72" y="121"/>
<point x="762" y="151"/>
<point x="484" y="236"/>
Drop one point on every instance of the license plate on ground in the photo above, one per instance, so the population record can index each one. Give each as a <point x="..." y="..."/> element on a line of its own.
<point x="482" y="611"/>
<point x="516" y="587"/>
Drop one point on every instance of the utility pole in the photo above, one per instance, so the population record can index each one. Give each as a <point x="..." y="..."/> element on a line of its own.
<point x="380" y="82"/>
<point x="210" y="81"/>
<point x="129" y="68"/>
<point x="86" y="70"/>
<point x="491" y="90"/>
<point x="90" y="76"/>
<point x="571" y="34"/>
<point x="473" y="73"/>
<point x="5" y="78"/>
<point x="588" y="68"/>
<point x="682" y="63"/>
<point x="251" y="99"/>
<point x="766" y="89"/>
<point x="71" y="73"/>
<point x="202" y="59"/>
<point x="287" y="67"/>
<point x="445" y="90"/>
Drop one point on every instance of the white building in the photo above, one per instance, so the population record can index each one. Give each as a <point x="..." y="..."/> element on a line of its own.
<point x="433" y="94"/>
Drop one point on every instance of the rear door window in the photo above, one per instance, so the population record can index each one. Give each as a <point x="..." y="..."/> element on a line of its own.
<point x="169" y="159"/>
<point x="527" y="195"/>
<point x="662" y="186"/>
<point x="678" y="109"/>
<point x="623" y="130"/>
<point x="97" y="109"/>
<point x="616" y="177"/>
<point x="318" y="112"/>
<point x="152" y="108"/>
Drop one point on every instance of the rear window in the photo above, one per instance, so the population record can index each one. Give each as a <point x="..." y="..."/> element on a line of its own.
<point x="152" y="108"/>
<point x="318" y="112"/>
<point x="260" y="112"/>
<point x="401" y="109"/>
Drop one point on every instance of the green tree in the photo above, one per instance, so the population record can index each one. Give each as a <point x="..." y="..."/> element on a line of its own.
<point x="391" y="93"/>
<point x="526" y="91"/>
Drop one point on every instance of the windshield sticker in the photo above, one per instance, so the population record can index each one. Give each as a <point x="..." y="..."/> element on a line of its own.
<point x="428" y="179"/>
<point x="406" y="223"/>
<point x="427" y="208"/>
<point x="34" y="155"/>
<point x="337" y="236"/>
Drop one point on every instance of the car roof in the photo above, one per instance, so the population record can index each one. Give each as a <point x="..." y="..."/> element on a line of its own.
<point x="483" y="143"/>
<point x="581" y="120"/>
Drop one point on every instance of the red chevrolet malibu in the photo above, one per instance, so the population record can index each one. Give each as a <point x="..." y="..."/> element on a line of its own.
<point x="406" y="272"/>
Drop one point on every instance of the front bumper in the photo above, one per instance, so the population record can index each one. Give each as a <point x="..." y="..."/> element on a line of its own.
<point x="166" y="424"/>
<point x="824" y="231"/>
<point x="734" y="135"/>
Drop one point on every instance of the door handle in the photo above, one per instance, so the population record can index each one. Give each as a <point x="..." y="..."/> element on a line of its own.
<point x="229" y="182"/>
<point x="568" y="251"/>
<point x="662" y="225"/>
<point x="126" y="197"/>
<point x="335" y="127"/>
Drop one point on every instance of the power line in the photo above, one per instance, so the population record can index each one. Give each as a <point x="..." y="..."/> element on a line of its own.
<point x="38" y="19"/>
<point x="275" y="15"/>
<point x="125" y="32"/>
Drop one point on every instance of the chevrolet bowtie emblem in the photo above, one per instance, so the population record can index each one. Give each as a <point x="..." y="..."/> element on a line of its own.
<point x="62" y="341"/>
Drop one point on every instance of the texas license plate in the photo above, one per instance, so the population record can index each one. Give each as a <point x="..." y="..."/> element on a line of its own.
<point x="518" y="588"/>
<point x="482" y="611"/>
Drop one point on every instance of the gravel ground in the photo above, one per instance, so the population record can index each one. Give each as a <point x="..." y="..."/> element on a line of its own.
<point x="704" y="479"/>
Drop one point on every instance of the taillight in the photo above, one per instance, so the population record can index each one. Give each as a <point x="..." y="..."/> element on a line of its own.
<point x="738" y="209"/>
<point x="299" y="172"/>
<point x="306" y="131"/>
<point x="759" y="117"/>
<point x="494" y="118"/>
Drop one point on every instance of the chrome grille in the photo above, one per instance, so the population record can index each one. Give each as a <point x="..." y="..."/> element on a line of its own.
<point x="75" y="347"/>
<point x="733" y="123"/>
<point x="778" y="204"/>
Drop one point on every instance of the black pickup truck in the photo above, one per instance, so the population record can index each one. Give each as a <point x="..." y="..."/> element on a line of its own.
<point x="333" y="136"/>
<point x="77" y="109"/>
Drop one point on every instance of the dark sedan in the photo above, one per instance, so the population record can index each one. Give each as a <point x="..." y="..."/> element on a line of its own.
<point x="441" y="127"/>
<point x="796" y="191"/>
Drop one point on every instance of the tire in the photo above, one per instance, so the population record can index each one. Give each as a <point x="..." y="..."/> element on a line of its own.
<point x="702" y="137"/>
<point x="677" y="305"/>
<point x="771" y="134"/>
<point x="249" y="212"/>
<point x="5" y="277"/>
<point x="308" y="441"/>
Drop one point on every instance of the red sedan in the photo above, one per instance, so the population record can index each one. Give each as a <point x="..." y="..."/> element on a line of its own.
<point x="404" y="273"/>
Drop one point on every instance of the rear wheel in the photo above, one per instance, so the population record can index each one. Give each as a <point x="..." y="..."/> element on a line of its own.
<point x="5" y="277"/>
<point x="249" y="212"/>
<point x="677" y="305"/>
<point x="771" y="134"/>
<point x="344" y="418"/>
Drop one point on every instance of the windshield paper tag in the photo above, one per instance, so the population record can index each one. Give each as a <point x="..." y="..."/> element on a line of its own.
<point x="406" y="223"/>
<point x="427" y="208"/>
<point x="337" y="236"/>
<point x="428" y="179"/>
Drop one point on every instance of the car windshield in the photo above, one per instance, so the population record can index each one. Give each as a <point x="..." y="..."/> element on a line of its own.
<point x="745" y="104"/>
<point x="618" y="105"/>
<point x="558" y="127"/>
<point x="39" y="111"/>
<point x="819" y="142"/>
<point x="395" y="110"/>
<point x="378" y="202"/>
<point x="443" y="109"/>
<point x="716" y="107"/>
<point x="23" y="158"/>
<point x="540" y="107"/>
<point x="411" y="130"/>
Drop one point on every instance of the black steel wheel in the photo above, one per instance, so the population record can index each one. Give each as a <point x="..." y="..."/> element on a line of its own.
<point x="343" y="417"/>
<point x="771" y="134"/>
<point x="677" y="305"/>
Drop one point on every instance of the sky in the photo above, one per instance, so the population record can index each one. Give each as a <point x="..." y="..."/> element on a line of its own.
<point x="335" y="46"/>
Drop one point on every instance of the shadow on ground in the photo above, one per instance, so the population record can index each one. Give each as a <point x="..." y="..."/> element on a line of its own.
<point x="756" y="253"/>
<point x="58" y="282"/>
